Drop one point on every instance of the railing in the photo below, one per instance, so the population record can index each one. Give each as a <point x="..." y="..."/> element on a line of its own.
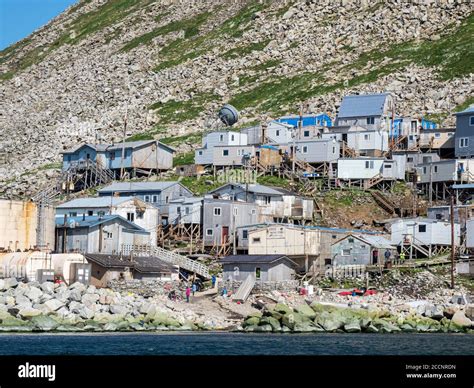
<point x="373" y="181"/>
<point x="167" y="256"/>
<point x="346" y="271"/>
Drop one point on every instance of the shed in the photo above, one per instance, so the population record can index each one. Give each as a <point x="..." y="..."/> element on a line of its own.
<point x="264" y="267"/>
<point x="361" y="250"/>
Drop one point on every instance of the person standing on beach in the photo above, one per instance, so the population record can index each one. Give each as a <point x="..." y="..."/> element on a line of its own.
<point x="188" y="293"/>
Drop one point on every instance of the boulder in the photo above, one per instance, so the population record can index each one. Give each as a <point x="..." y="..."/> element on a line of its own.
<point x="47" y="287"/>
<point x="263" y="329"/>
<point x="352" y="327"/>
<point x="91" y="290"/>
<point x="372" y="329"/>
<point x="251" y="321"/>
<point x="29" y="312"/>
<point x="77" y="286"/>
<point x="282" y="308"/>
<point x="34" y="294"/>
<point x="274" y="323"/>
<point x="460" y="319"/>
<point x="469" y="311"/>
<point x="75" y="295"/>
<point x="292" y="319"/>
<point x="89" y="298"/>
<point x="2" y="284"/>
<point x="22" y="301"/>
<point x="305" y="310"/>
<point x="10" y="283"/>
<point x="110" y="326"/>
<point x="53" y="304"/>
<point x="44" y="323"/>
<point x="118" y="309"/>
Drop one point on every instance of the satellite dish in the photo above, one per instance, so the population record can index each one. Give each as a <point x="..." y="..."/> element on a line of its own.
<point x="228" y="115"/>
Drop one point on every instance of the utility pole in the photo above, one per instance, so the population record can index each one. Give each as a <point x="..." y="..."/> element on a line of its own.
<point x="431" y="184"/>
<point x="124" y="130"/>
<point x="452" y="240"/>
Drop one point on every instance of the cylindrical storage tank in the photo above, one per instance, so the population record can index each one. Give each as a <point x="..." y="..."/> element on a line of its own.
<point x="62" y="264"/>
<point x="228" y="115"/>
<point x="24" y="264"/>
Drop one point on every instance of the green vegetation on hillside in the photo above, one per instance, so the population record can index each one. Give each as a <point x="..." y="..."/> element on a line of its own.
<point x="271" y="180"/>
<point x="189" y="26"/>
<point x="244" y="50"/>
<point x="176" y="111"/>
<point x="174" y="141"/>
<point x="147" y="135"/>
<point x="185" y="158"/>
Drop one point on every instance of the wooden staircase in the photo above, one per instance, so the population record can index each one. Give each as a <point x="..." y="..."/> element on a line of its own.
<point x="348" y="152"/>
<point x="167" y="256"/>
<point x="368" y="183"/>
<point x="383" y="202"/>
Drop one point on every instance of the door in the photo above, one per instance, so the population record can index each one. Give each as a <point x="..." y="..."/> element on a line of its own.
<point x="375" y="257"/>
<point x="344" y="137"/>
<point x="225" y="234"/>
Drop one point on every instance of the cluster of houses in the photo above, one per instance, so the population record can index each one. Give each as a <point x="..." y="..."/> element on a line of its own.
<point x="259" y="228"/>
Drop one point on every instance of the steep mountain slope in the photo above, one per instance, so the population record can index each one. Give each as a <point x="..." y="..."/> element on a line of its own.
<point x="166" y="65"/>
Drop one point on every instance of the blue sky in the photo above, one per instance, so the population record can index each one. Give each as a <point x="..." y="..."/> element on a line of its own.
<point x="19" y="18"/>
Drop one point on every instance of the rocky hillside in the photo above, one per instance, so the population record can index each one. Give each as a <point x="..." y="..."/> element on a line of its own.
<point x="167" y="65"/>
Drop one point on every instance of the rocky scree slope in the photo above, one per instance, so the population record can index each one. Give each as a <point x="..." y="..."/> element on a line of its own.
<point x="168" y="65"/>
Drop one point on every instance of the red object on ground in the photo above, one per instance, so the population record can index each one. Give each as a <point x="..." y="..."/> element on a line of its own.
<point x="345" y="293"/>
<point x="370" y="292"/>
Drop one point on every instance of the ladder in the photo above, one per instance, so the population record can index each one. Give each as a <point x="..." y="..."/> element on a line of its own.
<point x="245" y="289"/>
<point x="383" y="201"/>
<point x="167" y="256"/>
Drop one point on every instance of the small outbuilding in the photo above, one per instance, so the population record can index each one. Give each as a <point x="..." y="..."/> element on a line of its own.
<point x="361" y="250"/>
<point x="265" y="268"/>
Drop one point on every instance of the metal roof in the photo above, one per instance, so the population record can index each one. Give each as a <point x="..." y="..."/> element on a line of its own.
<point x="376" y="241"/>
<point x="91" y="221"/>
<point x="97" y="147"/>
<point x="140" y="264"/>
<point x="468" y="110"/>
<point x="129" y="144"/>
<point x="362" y="105"/>
<point x="313" y="227"/>
<point x="94" y="202"/>
<point x="187" y="200"/>
<point x="254" y="188"/>
<point x="267" y="259"/>
<point x="137" y="186"/>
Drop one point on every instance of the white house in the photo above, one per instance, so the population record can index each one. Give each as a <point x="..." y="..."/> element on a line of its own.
<point x="368" y="167"/>
<point x="132" y="209"/>
<point x="205" y="154"/>
<point x="186" y="211"/>
<point x="423" y="231"/>
<point x="317" y="151"/>
<point x="450" y="170"/>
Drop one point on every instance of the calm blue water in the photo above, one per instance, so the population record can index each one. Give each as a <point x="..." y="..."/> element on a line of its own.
<point x="236" y="344"/>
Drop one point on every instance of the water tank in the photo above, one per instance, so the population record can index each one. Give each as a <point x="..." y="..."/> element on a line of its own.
<point x="228" y="115"/>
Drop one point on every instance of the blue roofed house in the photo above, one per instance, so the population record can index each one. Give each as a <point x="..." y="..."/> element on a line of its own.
<point x="318" y="119"/>
<point x="371" y="111"/>
<point x="464" y="135"/>
<point x="159" y="194"/>
<point x="97" y="234"/>
<point x="140" y="157"/>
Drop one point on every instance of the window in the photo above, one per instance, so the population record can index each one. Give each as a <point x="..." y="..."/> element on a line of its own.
<point x="112" y="155"/>
<point x="108" y="235"/>
<point x="327" y="261"/>
<point x="253" y="212"/>
<point x="333" y="236"/>
<point x="437" y="135"/>
<point x="178" y="209"/>
<point x="306" y="133"/>
<point x="439" y="216"/>
<point x="410" y="160"/>
<point x="435" y="168"/>
<point x="131" y="217"/>
<point x="167" y="199"/>
<point x="463" y="142"/>
<point x="267" y="200"/>
<point x="187" y="210"/>
<point x="258" y="273"/>
<point x="424" y="170"/>
<point x="90" y="212"/>
<point x="333" y="150"/>
<point x="411" y="137"/>
<point x="221" y="137"/>
<point x="370" y="120"/>
<point x="305" y="149"/>
<point x="155" y="199"/>
<point x="278" y="132"/>
<point x="232" y="137"/>
<point x="101" y="213"/>
<point x="471" y="120"/>
<point x="369" y="164"/>
<point x="422" y="228"/>
<point x="217" y="211"/>
<point x="72" y="214"/>
<point x="140" y="215"/>
<point x="351" y="240"/>
<point x="225" y="152"/>
<point x="245" y="234"/>
<point x="387" y="166"/>
<point x="200" y="153"/>
<point x="256" y="239"/>
<point x="367" y="137"/>
<point x="209" y="232"/>
<point x="235" y="211"/>
<point x="147" y="198"/>
<point x="426" y="159"/>
<point x="346" y="252"/>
